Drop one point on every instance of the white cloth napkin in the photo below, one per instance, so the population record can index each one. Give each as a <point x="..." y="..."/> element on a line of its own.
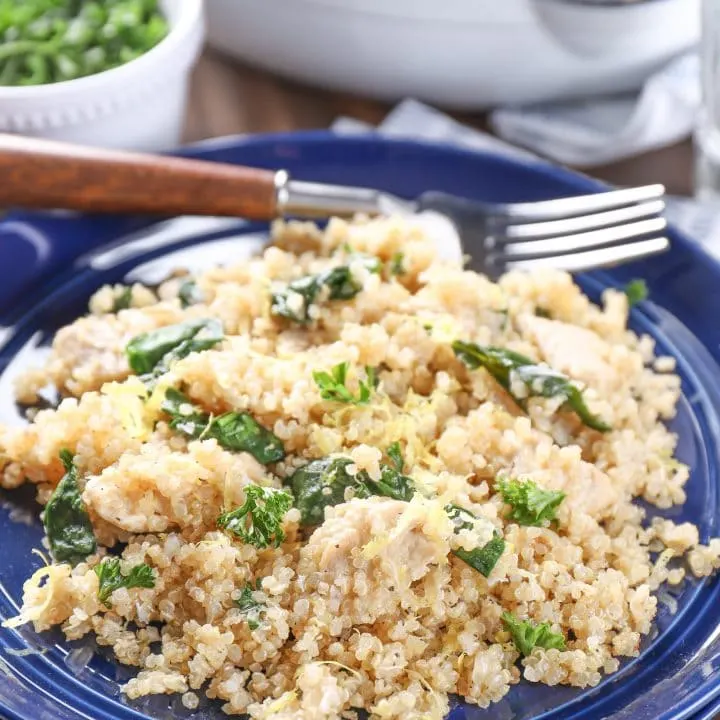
<point x="414" y="120"/>
<point x="592" y="132"/>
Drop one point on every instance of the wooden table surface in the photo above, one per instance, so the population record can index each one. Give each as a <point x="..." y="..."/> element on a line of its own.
<point x="228" y="97"/>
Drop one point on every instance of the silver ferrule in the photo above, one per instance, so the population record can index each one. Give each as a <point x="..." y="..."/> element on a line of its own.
<point x="318" y="200"/>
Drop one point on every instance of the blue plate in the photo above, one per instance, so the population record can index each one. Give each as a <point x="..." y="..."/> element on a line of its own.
<point x="50" y="264"/>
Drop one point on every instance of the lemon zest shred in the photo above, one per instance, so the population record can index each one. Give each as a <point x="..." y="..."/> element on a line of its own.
<point x="286" y="699"/>
<point x="41" y="555"/>
<point x="128" y="397"/>
<point x="336" y="664"/>
<point x="54" y="574"/>
<point x="440" y="706"/>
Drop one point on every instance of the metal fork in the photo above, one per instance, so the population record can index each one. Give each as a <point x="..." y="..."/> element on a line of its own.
<point x="573" y="233"/>
<point x="570" y="233"/>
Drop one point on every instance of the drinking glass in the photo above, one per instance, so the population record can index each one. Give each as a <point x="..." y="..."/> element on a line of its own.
<point x="707" y="133"/>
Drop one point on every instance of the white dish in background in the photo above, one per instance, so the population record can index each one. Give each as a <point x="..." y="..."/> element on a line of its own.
<point x="139" y="105"/>
<point x="460" y="53"/>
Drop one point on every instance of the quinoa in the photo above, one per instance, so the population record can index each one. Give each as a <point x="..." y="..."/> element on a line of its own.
<point x="372" y="607"/>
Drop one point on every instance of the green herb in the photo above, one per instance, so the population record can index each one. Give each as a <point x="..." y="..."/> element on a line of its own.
<point x="66" y="519"/>
<point x="485" y="558"/>
<point x="636" y="291"/>
<point x="240" y="432"/>
<point x="190" y="294"/>
<point x="259" y="520"/>
<point x="323" y="483"/>
<point x="48" y="41"/>
<point x="108" y="572"/>
<point x="250" y="607"/>
<point x="235" y="431"/>
<point x="394" y="452"/>
<point x="151" y="354"/>
<point x="526" y="635"/>
<point x="482" y="559"/>
<point x="123" y="300"/>
<point x="295" y="300"/>
<point x="539" y="380"/>
<point x="333" y="385"/>
<point x="392" y="484"/>
<point x="531" y="505"/>
<point x="184" y="416"/>
<point x="397" y="264"/>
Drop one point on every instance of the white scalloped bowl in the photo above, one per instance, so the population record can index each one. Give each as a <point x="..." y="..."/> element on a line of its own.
<point x="139" y="105"/>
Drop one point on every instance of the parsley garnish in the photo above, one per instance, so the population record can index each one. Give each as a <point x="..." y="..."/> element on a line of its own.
<point x="110" y="577"/>
<point x="333" y="385"/>
<point x="636" y="291"/>
<point x="151" y="354"/>
<point x="531" y="505"/>
<point x="539" y="380"/>
<point x="526" y="635"/>
<point x="235" y="431"/>
<point x="67" y="523"/>
<point x="259" y="520"/>
<point x="250" y="607"/>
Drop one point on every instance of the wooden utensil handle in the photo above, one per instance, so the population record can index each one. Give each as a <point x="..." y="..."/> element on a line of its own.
<point x="46" y="174"/>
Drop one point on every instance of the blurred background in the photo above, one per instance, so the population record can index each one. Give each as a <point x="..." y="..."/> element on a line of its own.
<point x="611" y="87"/>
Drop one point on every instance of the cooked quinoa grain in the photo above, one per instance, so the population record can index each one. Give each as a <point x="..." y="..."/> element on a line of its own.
<point x="366" y="490"/>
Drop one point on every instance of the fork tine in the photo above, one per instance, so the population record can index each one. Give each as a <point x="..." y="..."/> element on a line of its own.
<point x="581" y="204"/>
<point x="566" y="244"/>
<point x="601" y="257"/>
<point x="569" y="226"/>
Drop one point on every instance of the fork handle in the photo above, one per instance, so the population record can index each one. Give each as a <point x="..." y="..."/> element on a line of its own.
<point x="36" y="173"/>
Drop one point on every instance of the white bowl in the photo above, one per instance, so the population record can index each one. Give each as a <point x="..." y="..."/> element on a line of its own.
<point x="139" y="105"/>
<point x="462" y="53"/>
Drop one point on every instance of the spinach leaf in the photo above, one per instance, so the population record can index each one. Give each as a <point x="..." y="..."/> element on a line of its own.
<point x="235" y="431"/>
<point x="539" y="380"/>
<point x="392" y="484"/>
<point x="482" y="559"/>
<point x="154" y="352"/>
<point x="190" y="294"/>
<point x="485" y="558"/>
<point x="251" y="608"/>
<point x="322" y="483"/>
<point x="240" y="432"/>
<point x="636" y="291"/>
<point x="333" y="385"/>
<point x="531" y="505"/>
<point x="259" y="520"/>
<point x="295" y="300"/>
<point x="184" y="416"/>
<point x="394" y="452"/>
<point x="110" y="577"/>
<point x="526" y="635"/>
<point x="66" y="518"/>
